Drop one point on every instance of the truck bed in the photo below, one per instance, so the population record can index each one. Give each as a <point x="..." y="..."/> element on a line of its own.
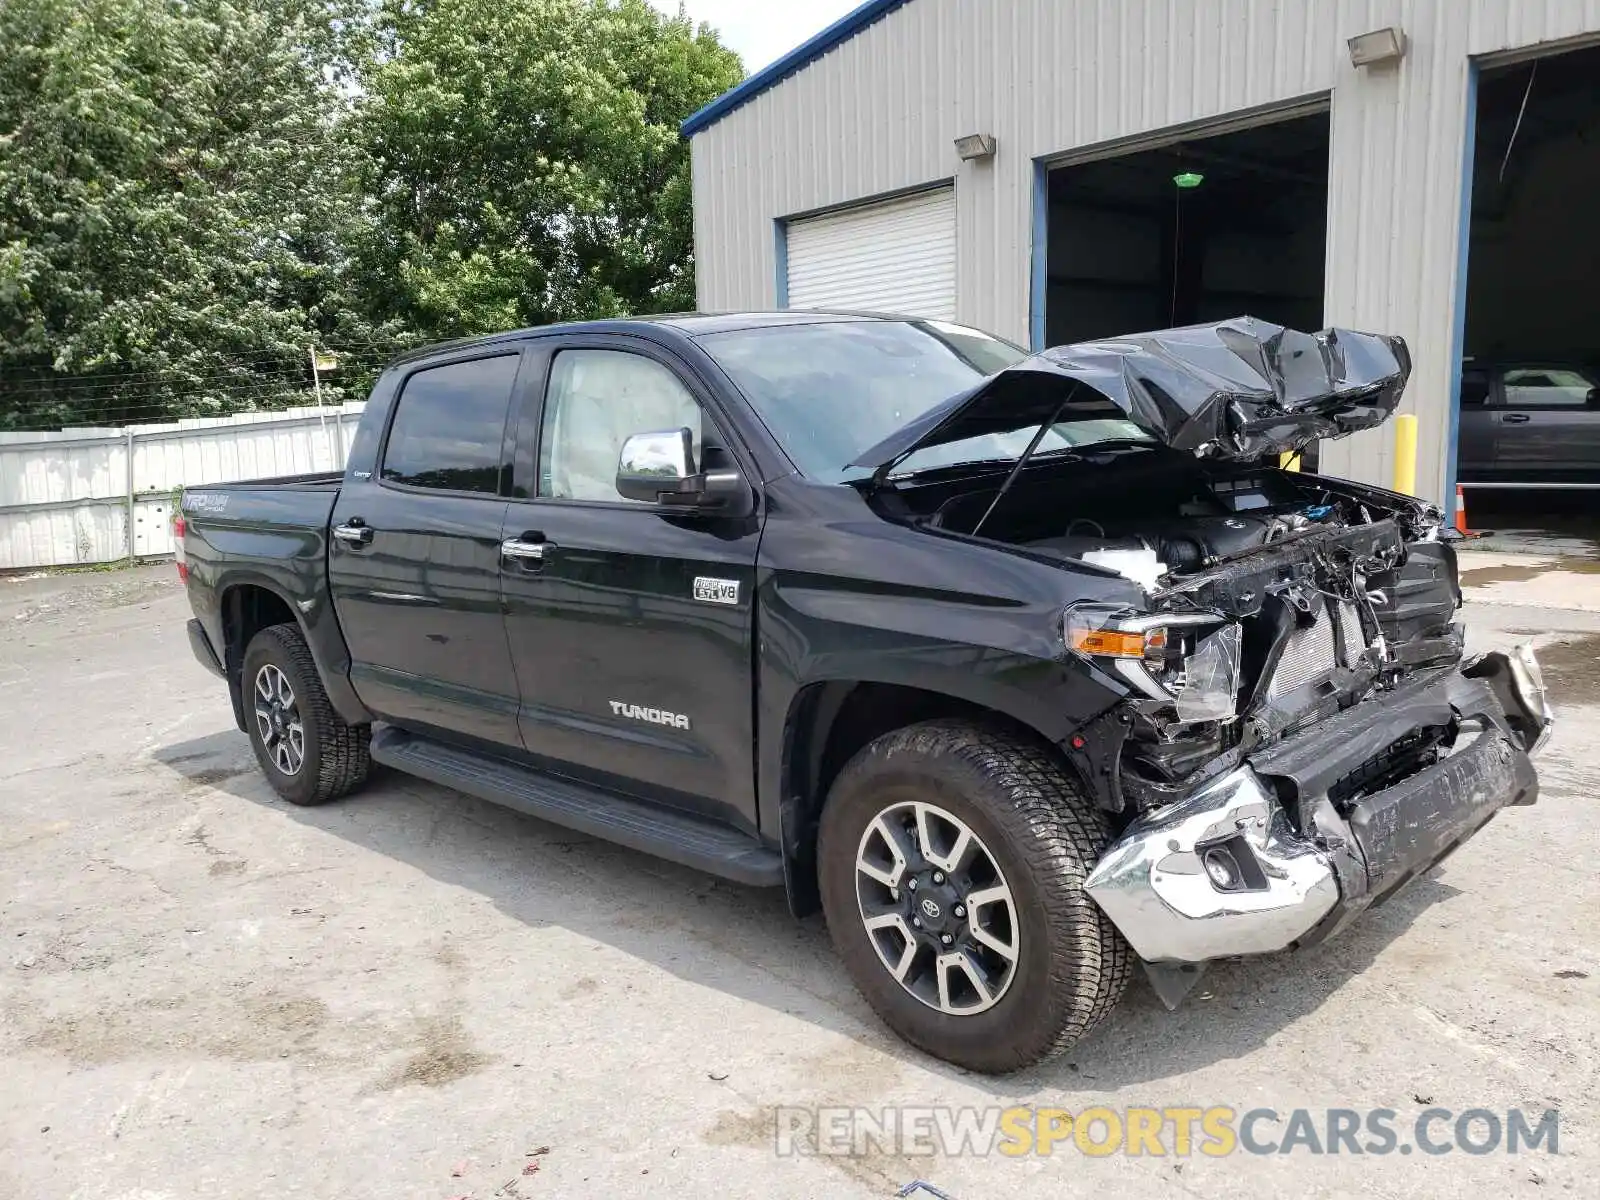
<point x="278" y="528"/>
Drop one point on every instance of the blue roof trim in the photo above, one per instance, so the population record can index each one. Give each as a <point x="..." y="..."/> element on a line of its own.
<point x="800" y="57"/>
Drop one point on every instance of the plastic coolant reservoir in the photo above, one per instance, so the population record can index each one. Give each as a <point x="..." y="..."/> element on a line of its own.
<point x="1143" y="566"/>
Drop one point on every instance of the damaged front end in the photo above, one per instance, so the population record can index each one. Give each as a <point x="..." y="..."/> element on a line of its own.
<point x="1265" y="642"/>
<point x="1286" y="847"/>
<point x="1296" y="736"/>
<point x="1357" y="752"/>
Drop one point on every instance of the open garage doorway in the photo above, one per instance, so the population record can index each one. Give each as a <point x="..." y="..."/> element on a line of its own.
<point x="1528" y="443"/>
<point x="1194" y="230"/>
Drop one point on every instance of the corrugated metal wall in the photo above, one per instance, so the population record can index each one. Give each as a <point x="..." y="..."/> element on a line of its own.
<point x="880" y="112"/>
<point x="64" y="497"/>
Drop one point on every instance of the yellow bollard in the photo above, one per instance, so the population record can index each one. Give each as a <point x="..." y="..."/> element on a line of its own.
<point x="1405" y="454"/>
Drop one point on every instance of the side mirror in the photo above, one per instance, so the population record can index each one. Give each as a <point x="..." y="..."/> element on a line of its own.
<point x="659" y="468"/>
<point x="653" y="467"/>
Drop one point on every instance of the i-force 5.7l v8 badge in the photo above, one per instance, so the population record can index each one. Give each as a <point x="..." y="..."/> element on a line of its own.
<point x="716" y="591"/>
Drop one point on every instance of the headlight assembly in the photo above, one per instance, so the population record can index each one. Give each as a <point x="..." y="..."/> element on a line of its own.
<point x="1190" y="660"/>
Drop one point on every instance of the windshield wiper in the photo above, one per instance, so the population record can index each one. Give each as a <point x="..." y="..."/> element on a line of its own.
<point x="1116" y="444"/>
<point x="963" y="465"/>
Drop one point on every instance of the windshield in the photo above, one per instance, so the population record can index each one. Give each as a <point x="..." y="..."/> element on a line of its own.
<point x="829" y="390"/>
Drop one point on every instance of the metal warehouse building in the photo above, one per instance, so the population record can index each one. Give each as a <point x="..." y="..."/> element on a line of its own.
<point x="1062" y="170"/>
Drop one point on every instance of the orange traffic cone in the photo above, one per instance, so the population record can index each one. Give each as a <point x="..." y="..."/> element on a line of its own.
<point x="1461" y="513"/>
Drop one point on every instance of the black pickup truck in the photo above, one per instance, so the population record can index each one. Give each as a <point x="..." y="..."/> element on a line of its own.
<point x="1023" y="670"/>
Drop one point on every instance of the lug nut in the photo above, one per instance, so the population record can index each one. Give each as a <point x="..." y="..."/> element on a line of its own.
<point x="911" y="885"/>
<point x="916" y="922"/>
<point x="938" y="876"/>
<point x="961" y="910"/>
<point x="946" y="938"/>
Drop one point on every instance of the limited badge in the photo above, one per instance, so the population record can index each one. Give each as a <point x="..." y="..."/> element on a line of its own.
<point x="716" y="591"/>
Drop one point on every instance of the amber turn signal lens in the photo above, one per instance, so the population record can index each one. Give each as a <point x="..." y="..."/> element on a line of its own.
<point x="1109" y="643"/>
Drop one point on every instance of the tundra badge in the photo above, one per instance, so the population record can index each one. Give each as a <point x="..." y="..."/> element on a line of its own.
<point x="656" y="716"/>
<point x="716" y="591"/>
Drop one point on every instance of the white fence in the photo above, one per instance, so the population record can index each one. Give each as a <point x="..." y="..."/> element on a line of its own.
<point x="100" y="495"/>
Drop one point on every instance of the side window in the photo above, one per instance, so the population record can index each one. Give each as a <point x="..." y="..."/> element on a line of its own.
<point x="596" y="400"/>
<point x="449" y="426"/>
<point x="1546" y="387"/>
<point x="1474" y="389"/>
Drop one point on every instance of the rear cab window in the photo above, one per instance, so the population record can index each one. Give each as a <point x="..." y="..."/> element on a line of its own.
<point x="448" y="430"/>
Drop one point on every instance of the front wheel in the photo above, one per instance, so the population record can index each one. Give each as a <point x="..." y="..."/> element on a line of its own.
<point x="307" y="752"/>
<point x="952" y="860"/>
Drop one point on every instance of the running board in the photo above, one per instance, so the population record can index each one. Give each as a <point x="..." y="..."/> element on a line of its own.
<point x="664" y="832"/>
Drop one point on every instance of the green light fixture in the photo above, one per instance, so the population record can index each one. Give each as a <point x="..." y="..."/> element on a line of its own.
<point x="1188" y="179"/>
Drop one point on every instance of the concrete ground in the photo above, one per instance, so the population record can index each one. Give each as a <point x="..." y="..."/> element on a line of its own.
<point x="1534" y="521"/>
<point x="205" y="992"/>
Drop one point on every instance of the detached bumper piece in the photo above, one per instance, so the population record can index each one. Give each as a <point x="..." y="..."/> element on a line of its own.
<point x="1287" y="848"/>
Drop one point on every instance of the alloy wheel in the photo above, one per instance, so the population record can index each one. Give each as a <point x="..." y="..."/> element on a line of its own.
<point x="278" y="720"/>
<point x="937" y="908"/>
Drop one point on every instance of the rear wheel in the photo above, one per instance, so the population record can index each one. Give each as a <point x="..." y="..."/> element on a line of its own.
<point x="308" y="753"/>
<point x="952" y="860"/>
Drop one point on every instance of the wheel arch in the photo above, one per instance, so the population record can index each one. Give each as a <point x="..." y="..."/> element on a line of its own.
<point x="246" y="607"/>
<point x="247" y="604"/>
<point x="828" y="723"/>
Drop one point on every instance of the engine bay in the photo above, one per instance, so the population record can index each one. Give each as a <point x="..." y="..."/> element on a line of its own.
<point x="1273" y="599"/>
<point x="1149" y="513"/>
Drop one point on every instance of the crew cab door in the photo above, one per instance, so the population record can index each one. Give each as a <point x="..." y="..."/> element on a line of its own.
<point x="630" y="627"/>
<point x="1548" y="426"/>
<point x="414" y="553"/>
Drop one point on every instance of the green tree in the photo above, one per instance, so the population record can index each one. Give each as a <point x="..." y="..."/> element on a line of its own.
<point x="177" y="206"/>
<point x="525" y="160"/>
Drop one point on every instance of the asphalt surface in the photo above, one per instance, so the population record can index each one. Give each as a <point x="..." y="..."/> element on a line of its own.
<point x="205" y="992"/>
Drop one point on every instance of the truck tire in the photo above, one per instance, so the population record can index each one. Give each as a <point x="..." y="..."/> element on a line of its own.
<point x="971" y="935"/>
<point x="306" y="751"/>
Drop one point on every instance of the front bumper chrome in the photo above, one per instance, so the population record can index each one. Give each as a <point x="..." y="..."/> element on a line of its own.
<point x="1153" y="884"/>
<point x="1290" y="867"/>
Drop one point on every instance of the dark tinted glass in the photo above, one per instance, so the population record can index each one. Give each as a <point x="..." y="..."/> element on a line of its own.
<point x="449" y="428"/>
<point x="1474" y="387"/>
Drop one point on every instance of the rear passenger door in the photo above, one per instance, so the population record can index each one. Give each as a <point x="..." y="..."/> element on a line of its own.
<point x="414" y="557"/>
<point x="1549" y="428"/>
<point x="631" y="632"/>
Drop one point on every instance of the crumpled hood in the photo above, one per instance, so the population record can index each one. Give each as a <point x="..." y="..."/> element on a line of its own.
<point x="1235" y="389"/>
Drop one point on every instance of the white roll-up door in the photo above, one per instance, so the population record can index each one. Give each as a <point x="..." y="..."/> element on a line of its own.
<point x="898" y="256"/>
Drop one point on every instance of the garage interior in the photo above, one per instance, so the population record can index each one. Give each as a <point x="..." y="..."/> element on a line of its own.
<point x="1532" y="296"/>
<point x="1197" y="230"/>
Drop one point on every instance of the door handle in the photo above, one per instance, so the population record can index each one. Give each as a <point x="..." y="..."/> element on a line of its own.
<point x="528" y="549"/>
<point x="354" y="532"/>
<point x="1514" y="419"/>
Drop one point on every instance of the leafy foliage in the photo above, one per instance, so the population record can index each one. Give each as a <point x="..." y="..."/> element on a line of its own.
<point x="193" y="193"/>
<point x="526" y="163"/>
<point x="175" y="210"/>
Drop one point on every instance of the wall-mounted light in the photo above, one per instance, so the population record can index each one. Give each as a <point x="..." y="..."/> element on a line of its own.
<point x="1380" y="46"/>
<point x="975" y="146"/>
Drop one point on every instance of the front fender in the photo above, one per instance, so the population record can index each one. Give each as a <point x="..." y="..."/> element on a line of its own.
<point x="814" y="637"/>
